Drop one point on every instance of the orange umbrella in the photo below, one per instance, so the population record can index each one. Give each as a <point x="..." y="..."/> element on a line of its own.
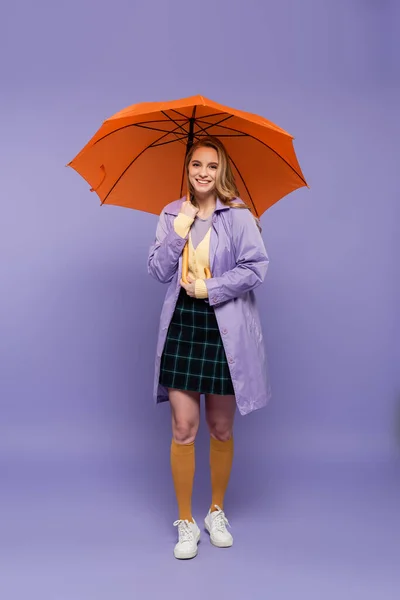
<point x="136" y="159"/>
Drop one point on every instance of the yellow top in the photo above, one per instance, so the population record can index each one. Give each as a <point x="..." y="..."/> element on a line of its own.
<point x="199" y="258"/>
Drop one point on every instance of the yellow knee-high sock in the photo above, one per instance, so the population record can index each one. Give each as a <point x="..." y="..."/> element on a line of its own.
<point x="221" y="457"/>
<point x="183" y="466"/>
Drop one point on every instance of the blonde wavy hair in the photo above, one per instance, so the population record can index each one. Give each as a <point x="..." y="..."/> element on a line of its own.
<point x="225" y="183"/>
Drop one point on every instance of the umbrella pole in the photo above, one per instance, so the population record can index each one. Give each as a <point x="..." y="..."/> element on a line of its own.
<point x="185" y="253"/>
<point x="185" y="263"/>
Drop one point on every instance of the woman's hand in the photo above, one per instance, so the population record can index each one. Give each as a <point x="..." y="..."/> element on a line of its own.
<point x="190" y="286"/>
<point x="189" y="209"/>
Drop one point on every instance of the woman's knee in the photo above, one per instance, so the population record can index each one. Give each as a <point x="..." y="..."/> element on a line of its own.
<point x="220" y="416"/>
<point x="220" y="430"/>
<point x="185" y="408"/>
<point x="184" y="431"/>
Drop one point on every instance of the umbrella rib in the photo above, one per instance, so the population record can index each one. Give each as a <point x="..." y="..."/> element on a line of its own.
<point x="215" y="115"/>
<point x="178" y="126"/>
<point x="156" y="144"/>
<point x="224" y="135"/>
<point x="204" y="117"/>
<point x="269" y="147"/>
<point x="281" y="157"/>
<point x="141" y="125"/>
<point x="154" y="128"/>
<point x="204" y="129"/>
<point x="237" y="131"/>
<point x="244" y="183"/>
<point x="180" y="114"/>
<point x="158" y="121"/>
<point x="210" y="125"/>
<point x="131" y="163"/>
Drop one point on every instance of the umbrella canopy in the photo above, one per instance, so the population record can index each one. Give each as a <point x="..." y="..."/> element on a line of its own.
<point x="136" y="159"/>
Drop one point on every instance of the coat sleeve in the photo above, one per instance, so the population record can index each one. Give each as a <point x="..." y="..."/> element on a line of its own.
<point x="251" y="261"/>
<point x="164" y="254"/>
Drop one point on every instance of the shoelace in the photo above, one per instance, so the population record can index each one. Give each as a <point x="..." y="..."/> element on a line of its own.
<point x="219" y="520"/>
<point x="184" y="530"/>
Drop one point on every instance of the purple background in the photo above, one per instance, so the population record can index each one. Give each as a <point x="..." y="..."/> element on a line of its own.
<point x="87" y="502"/>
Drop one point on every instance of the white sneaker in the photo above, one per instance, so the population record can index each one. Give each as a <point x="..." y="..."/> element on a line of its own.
<point x="189" y="536"/>
<point x="216" y="523"/>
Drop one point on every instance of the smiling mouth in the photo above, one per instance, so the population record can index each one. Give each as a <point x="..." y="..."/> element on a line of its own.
<point x="202" y="182"/>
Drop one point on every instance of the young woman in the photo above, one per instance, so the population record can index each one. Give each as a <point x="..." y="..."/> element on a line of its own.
<point x="210" y="339"/>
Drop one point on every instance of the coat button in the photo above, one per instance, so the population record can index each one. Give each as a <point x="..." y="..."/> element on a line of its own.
<point x="214" y="298"/>
<point x="230" y="359"/>
<point x="224" y="331"/>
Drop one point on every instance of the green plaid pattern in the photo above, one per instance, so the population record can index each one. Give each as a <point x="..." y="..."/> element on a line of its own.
<point x="194" y="357"/>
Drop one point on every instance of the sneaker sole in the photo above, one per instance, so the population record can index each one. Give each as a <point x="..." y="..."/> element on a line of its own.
<point x="188" y="556"/>
<point x="215" y="543"/>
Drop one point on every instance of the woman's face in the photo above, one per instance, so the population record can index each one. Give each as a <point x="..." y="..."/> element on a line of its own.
<point x="203" y="170"/>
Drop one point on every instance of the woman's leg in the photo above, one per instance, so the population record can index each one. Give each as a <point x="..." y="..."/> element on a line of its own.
<point x="220" y="414"/>
<point x="185" y="411"/>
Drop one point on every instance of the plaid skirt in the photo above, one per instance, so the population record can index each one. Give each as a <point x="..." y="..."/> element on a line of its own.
<point x="194" y="357"/>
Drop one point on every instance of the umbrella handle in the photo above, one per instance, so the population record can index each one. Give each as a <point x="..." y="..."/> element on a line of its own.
<point x="185" y="256"/>
<point x="185" y="265"/>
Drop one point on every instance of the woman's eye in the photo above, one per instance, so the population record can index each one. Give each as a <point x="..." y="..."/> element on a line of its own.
<point x="213" y="167"/>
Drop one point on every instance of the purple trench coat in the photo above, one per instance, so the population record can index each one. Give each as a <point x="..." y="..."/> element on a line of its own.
<point x="238" y="262"/>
